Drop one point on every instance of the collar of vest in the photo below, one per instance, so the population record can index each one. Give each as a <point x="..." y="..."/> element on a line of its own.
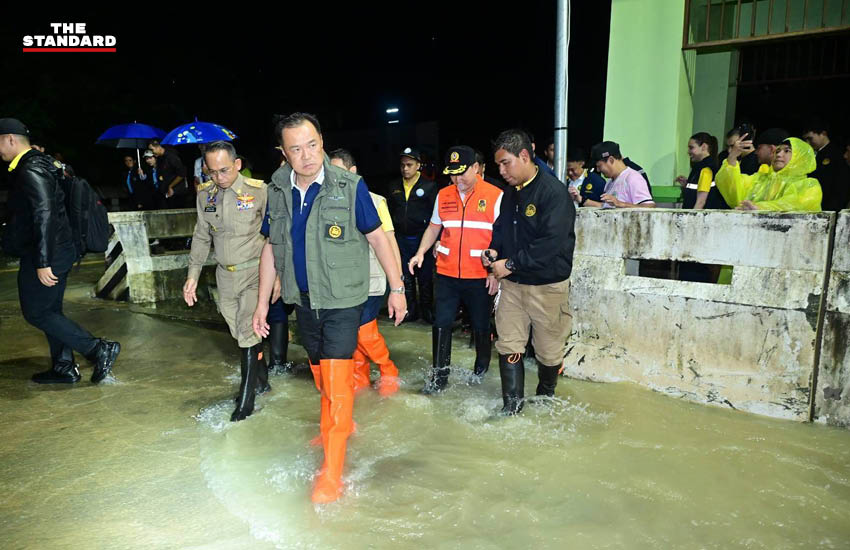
<point x="334" y="177"/>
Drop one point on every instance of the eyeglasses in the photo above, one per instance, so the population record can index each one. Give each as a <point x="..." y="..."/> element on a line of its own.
<point x="223" y="172"/>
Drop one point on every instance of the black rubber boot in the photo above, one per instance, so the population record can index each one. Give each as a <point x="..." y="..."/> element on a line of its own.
<point x="483" y="346"/>
<point x="278" y="348"/>
<point x="103" y="356"/>
<point x="512" y="372"/>
<point x="547" y="379"/>
<point x="426" y="303"/>
<point x="64" y="370"/>
<point x="441" y="346"/>
<point x="262" y="371"/>
<point x="250" y="368"/>
<point x="410" y="297"/>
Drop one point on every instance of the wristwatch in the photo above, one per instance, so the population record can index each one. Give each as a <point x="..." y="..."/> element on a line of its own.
<point x="399" y="290"/>
<point x="509" y="264"/>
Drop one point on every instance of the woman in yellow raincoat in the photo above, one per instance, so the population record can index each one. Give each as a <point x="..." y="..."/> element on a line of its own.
<point x="782" y="186"/>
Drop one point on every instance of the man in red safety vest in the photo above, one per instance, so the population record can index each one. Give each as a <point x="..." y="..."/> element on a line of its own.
<point x="465" y="212"/>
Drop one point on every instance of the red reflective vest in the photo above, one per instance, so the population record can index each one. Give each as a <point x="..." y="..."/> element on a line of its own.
<point x="467" y="229"/>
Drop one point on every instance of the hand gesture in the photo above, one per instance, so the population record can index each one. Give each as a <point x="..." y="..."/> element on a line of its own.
<point x="189" y="295"/>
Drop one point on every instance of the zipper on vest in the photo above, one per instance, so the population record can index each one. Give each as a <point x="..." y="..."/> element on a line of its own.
<point x="406" y="222"/>
<point x="460" y="242"/>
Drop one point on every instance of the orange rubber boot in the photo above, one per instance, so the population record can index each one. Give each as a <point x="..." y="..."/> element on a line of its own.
<point x="361" y="364"/>
<point x="317" y="376"/>
<point x="376" y="349"/>
<point x="324" y="423"/>
<point x="337" y="377"/>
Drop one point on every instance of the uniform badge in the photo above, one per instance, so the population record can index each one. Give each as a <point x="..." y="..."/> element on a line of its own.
<point x="335" y="231"/>
<point x="244" y="201"/>
<point x="420" y="192"/>
<point x="826" y="162"/>
<point x="454" y="157"/>
<point x="530" y="210"/>
<point x="482" y="205"/>
<point x="211" y="199"/>
<point x="588" y="187"/>
<point x="160" y="178"/>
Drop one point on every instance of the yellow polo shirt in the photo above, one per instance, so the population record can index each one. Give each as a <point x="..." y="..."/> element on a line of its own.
<point x="14" y="163"/>
<point x="408" y="187"/>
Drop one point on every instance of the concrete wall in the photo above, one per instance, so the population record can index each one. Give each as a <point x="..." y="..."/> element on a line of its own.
<point x="832" y="399"/>
<point x="749" y="345"/>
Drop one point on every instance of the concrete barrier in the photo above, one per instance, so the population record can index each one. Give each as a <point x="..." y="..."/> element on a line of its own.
<point x="832" y="398"/>
<point x="132" y="271"/>
<point x="749" y="345"/>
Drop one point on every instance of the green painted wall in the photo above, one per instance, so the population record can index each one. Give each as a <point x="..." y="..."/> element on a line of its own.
<point x="715" y="93"/>
<point x="648" y="102"/>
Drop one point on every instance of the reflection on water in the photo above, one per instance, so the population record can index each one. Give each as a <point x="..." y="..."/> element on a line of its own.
<point x="599" y="466"/>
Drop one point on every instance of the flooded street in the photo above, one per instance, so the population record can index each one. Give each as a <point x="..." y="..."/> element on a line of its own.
<point x="151" y="460"/>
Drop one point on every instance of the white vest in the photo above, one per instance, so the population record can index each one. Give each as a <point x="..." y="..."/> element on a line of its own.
<point x="377" y="277"/>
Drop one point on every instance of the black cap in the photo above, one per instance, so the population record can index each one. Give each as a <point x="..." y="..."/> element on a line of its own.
<point x="13" y="126"/>
<point x="412" y="153"/>
<point x="458" y="159"/>
<point x="601" y="151"/>
<point x="771" y="136"/>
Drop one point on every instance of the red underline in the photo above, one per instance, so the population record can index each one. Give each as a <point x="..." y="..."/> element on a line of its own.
<point x="100" y="50"/>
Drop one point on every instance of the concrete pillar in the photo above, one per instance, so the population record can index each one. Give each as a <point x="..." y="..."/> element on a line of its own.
<point x="648" y="101"/>
<point x="715" y="94"/>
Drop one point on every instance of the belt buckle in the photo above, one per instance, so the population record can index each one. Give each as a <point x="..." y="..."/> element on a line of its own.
<point x="230" y="268"/>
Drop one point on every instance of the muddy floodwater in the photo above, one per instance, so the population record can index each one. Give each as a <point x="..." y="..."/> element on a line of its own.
<point x="150" y="459"/>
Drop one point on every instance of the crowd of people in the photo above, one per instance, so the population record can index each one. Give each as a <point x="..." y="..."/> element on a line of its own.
<point x="315" y="241"/>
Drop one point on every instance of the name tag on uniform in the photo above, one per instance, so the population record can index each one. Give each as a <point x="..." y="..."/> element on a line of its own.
<point x="449" y="207"/>
<point x="209" y="208"/>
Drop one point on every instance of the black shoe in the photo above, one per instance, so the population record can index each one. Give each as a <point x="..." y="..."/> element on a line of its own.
<point x="103" y="357"/>
<point x="483" y="346"/>
<point x="547" y="379"/>
<point x="512" y="372"/>
<point x="278" y="347"/>
<point x="441" y="346"/>
<point x="60" y="374"/>
<point x="249" y="367"/>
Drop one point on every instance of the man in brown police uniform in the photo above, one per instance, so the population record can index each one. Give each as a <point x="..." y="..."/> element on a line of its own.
<point x="230" y="214"/>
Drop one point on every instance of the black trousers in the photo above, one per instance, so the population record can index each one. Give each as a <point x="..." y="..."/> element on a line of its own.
<point x="407" y="247"/>
<point x="42" y="306"/>
<point x="472" y="293"/>
<point x="328" y="333"/>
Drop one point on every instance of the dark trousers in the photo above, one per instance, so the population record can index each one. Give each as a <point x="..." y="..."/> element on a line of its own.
<point x="328" y="333"/>
<point x="279" y="311"/>
<point x="42" y="306"/>
<point x="472" y="293"/>
<point x="371" y="308"/>
<point x="407" y="246"/>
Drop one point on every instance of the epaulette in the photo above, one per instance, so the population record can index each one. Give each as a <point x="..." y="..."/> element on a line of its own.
<point x="204" y="186"/>
<point x="253" y="183"/>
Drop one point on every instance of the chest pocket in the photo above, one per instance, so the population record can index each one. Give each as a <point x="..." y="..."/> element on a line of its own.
<point x="246" y="220"/>
<point x="335" y="224"/>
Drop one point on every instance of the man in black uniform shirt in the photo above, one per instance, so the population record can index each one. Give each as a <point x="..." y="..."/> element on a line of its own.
<point x="410" y="201"/>
<point x="832" y="172"/>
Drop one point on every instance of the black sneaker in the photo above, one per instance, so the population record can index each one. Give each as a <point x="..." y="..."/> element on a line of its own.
<point x="104" y="357"/>
<point x="59" y="374"/>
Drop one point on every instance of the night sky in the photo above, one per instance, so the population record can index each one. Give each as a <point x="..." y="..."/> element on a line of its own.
<point x="475" y="69"/>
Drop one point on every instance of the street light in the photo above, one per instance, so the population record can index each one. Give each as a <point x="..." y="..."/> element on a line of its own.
<point x="393" y="122"/>
<point x="392" y="110"/>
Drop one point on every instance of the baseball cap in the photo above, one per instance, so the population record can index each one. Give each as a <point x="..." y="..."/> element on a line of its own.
<point x="412" y="153"/>
<point x="13" y="126"/>
<point x="601" y="151"/>
<point x="458" y="159"/>
<point x="147" y="153"/>
<point x="771" y="136"/>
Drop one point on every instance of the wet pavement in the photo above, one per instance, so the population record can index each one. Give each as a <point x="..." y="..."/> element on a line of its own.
<point x="150" y="459"/>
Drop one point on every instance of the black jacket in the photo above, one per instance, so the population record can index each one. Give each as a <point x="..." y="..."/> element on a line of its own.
<point x="38" y="223"/>
<point x="535" y="229"/>
<point x="412" y="216"/>
<point x="833" y="176"/>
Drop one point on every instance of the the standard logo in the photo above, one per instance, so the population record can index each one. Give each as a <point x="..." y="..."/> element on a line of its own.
<point x="69" y="37"/>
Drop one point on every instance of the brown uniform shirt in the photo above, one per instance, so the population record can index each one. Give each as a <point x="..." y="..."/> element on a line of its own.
<point x="229" y="220"/>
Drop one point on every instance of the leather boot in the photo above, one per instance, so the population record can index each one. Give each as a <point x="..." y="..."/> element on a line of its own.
<point x="426" y="302"/>
<point x="483" y="345"/>
<point x="249" y="368"/>
<point x="376" y="350"/>
<point x="512" y="372"/>
<point x="278" y="347"/>
<point x="441" y="345"/>
<point x="64" y="370"/>
<point x="547" y="379"/>
<point x="410" y="296"/>
<point x="103" y="356"/>
<point x="339" y="389"/>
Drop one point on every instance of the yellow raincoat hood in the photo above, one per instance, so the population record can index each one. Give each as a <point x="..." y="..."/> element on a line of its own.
<point x="787" y="190"/>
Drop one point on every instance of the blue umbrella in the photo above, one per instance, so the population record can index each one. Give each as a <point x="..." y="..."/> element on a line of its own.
<point x="198" y="132"/>
<point x="130" y="136"/>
